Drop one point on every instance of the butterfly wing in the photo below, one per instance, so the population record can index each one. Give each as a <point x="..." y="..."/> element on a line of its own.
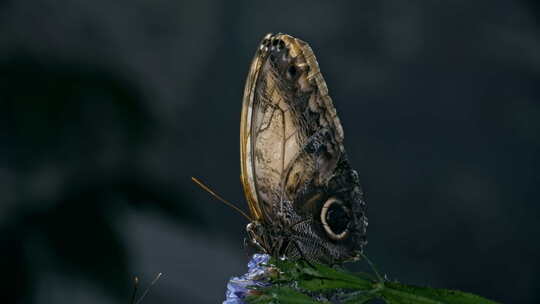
<point x="287" y="116"/>
<point x="291" y="138"/>
<point x="246" y="144"/>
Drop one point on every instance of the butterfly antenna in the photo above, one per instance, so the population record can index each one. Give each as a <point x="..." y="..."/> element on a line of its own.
<point x="148" y="288"/>
<point x="135" y="288"/>
<point x="200" y="184"/>
<point x="372" y="267"/>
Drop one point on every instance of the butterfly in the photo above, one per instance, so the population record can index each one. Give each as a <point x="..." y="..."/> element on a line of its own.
<point x="304" y="198"/>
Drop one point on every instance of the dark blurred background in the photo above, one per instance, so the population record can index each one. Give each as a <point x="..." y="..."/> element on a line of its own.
<point x="109" y="107"/>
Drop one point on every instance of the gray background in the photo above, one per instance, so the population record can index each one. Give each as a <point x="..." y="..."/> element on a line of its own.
<point x="109" y="107"/>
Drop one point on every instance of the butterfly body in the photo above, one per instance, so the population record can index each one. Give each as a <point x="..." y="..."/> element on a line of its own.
<point x="303" y="196"/>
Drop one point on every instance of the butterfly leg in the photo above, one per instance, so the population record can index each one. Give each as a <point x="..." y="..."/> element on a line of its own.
<point x="245" y="246"/>
<point x="256" y="236"/>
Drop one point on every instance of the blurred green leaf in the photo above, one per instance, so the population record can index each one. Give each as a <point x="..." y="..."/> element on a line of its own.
<point x="81" y="127"/>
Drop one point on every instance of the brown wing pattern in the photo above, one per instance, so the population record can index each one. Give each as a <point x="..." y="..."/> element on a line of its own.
<point x="291" y="136"/>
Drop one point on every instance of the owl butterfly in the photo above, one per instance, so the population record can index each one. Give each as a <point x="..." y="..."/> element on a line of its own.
<point x="304" y="198"/>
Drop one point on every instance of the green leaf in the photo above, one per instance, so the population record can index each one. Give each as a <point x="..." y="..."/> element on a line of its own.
<point x="297" y="282"/>
<point x="360" y="298"/>
<point x="400" y="293"/>
<point x="282" y="295"/>
<point x="320" y="277"/>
